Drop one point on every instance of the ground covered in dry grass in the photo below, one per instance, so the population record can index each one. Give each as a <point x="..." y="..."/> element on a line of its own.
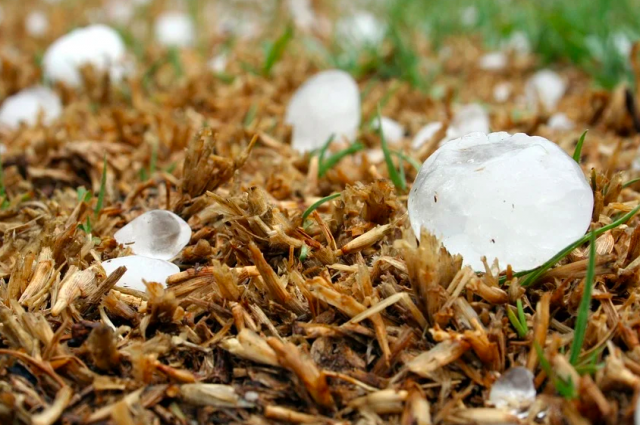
<point x="340" y="317"/>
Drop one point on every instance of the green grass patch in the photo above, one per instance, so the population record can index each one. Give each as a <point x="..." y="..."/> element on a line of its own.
<point x="317" y="204"/>
<point x="585" y="304"/>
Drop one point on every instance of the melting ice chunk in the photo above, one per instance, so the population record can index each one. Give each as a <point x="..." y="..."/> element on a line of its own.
<point x="517" y="198"/>
<point x="514" y="389"/>
<point x="501" y="92"/>
<point x="393" y="131"/>
<point x="36" y="23"/>
<point x="95" y="45"/>
<point x="545" y="87"/>
<point x="493" y="61"/>
<point x="361" y="29"/>
<point x="425" y="134"/>
<point x="560" y="121"/>
<point x="326" y="104"/>
<point x="156" y="234"/>
<point x="140" y="268"/>
<point x="468" y="119"/>
<point x="175" y="29"/>
<point x="26" y="105"/>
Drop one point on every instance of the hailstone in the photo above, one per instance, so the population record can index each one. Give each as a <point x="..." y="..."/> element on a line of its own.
<point x="36" y="23"/>
<point x="517" y="198"/>
<point x="425" y="134"/>
<point x="326" y="104"/>
<point x="514" y="389"/>
<point x="140" y="268"/>
<point x="175" y="29"/>
<point x="545" y="87"/>
<point x="393" y="131"/>
<point x="156" y="234"/>
<point x="26" y="106"/>
<point x="95" y="45"/>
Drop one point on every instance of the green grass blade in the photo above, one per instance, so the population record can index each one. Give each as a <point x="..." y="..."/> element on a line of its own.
<point x="323" y="150"/>
<point x="330" y="162"/>
<point x="394" y="176"/>
<point x="585" y="305"/>
<point x="578" y="151"/>
<point x="521" y="317"/>
<point x="316" y="204"/>
<point x="630" y="182"/>
<point x="174" y="58"/>
<point x="304" y="252"/>
<point x="536" y="273"/>
<point x="414" y="163"/>
<point x="103" y="187"/>
<point x="517" y="325"/>
<point x="251" y="115"/>
<point x="277" y="49"/>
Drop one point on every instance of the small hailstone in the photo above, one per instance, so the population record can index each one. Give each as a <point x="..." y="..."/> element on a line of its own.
<point x="468" y="119"/>
<point x="119" y="11"/>
<point x="425" y="134"/>
<point x="360" y="29"/>
<point x="96" y="45"/>
<point x="393" y="131"/>
<point x="519" y="43"/>
<point x="516" y="198"/>
<point x="302" y="13"/>
<point x="251" y="396"/>
<point x="546" y="87"/>
<point x="175" y="29"/>
<point x="494" y="61"/>
<point x="501" y="92"/>
<point x="514" y="389"/>
<point x="36" y="23"/>
<point x="218" y="63"/>
<point x="326" y="104"/>
<point x="156" y="234"/>
<point x="140" y="268"/>
<point x="560" y="121"/>
<point x="26" y="106"/>
<point x="469" y="16"/>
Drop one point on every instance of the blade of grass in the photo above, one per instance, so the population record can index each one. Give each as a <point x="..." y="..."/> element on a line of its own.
<point x="578" y="151"/>
<point x="323" y="150"/>
<point x="585" y="305"/>
<point x="330" y="162"/>
<point x="565" y="389"/>
<point x="174" y="58"/>
<point x="304" y="251"/>
<point x="517" y="325"/>
<point x="394" y="176"/>
<point x="414" y="163"/>
<point x="276" y="50"/>
<point x="103" y="187"/>
<point x="630" y="182"/>
<point x="316" y="204"/>
<point x="521" y="317"/>
<point x="251" y="115"/>
<point x="536" y="273"/>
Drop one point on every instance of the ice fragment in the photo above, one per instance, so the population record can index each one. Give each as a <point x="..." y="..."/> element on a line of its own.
<point x="545" y="87"/>
<point x="517" y="198"/>
<point x="140" y="268"/>
<point x="175" y="29"/>
<point x="156" y="234"/>
<point x="514" y="389"/>
<point x="326" y="104"/>
<point x="26" y="105"/>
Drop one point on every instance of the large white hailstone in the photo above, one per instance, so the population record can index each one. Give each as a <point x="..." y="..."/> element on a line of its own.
<point x="546" y="87"/>
<point x="302" y="13"/>
<point x="502" y="92"/>
<point x="425" y="134"/>
<point x="393" y="131"/>
<point x="517" y="198"/>
<point x="156" y="234"/>
<point x="326" y="104"/>
<point x="468" y="119"/>
<point x="27" y="105"/>
<point x="95" y="45"/>
<point x="361" y="29"/>
<point x="36" y="23"/>
<point x="139" y="270"/>
<point x="514" y="390"/>
<point x="493" y="61"/>
<point x="560" y="121"/>
<point x="175" y="29"/>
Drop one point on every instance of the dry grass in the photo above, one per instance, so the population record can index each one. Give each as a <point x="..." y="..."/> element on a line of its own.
<point x="370" y="327"/>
